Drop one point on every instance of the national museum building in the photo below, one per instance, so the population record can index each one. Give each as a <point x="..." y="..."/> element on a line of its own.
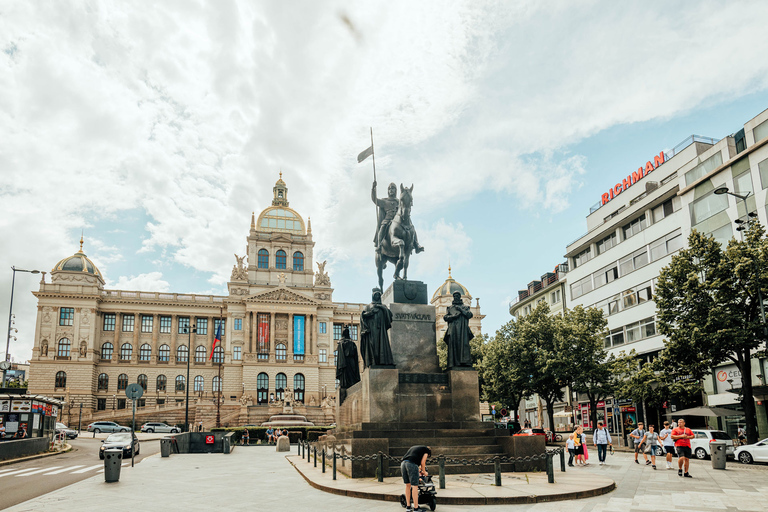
<point x="279" y="327"/>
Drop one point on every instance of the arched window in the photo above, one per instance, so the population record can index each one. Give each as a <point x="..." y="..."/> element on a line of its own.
<point x="281" y="352"/>
<point x="218" y="354"/>
<point x="161" y="380"/>
<point x="262" y="388"/>
<point x="122" y="382"/>
<point x="298" y="261"/>
<point x="180" y="383"/>
<point x="298" y="388"/>
<point x="142" y="381"/>
<point x="164" y="353"/>
<point x="281" y="382"/>
<point x="103" y="382"/>
<point x="64" y="346"/>
<point x="200" y="354"/>
<point x="145" y="352"/>
<point x="182" y="353"/>
<point x="61" y="379"/>
<point x="263" y="258"/>
<point x="280" y="258"/>
<point x="199" y="383"/>
<point x="126" y="349"/>
<point x="216" y="384"/>
<point x="106" y="350"/>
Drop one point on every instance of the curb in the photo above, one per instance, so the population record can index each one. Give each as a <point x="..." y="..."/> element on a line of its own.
<point x="68" y="449"/>
<point x="455" y="500"/>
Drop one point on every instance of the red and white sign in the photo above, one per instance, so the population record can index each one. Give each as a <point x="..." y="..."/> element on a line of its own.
<point x="633" y="178"/>
<point x="722" y="376"/>
<point x="208" y="439"/>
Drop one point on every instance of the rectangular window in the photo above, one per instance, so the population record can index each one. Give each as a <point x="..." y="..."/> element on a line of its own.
<point x="298" y="335"/>
<point x="648" y="327"/>
<point x="640" y="258"/>
<point x="147" y="322"/>
<point x="634" y="227"/>
<point x="337" y="329"/>
<point x="202" y="326"/>
<point x="581" y="258"/>
<point x="743" y="183"/>
<point x="121" y="403"/>
<point x="183" y="324"/>
<point x="262" y="323"/>
<point x="703" y="168"/>
<point x="581" y="287"/>
<point x="763" y="168"/>
<point x="666" y="209"/>
<point x="238" y="324"/>
<point x="109" y="321"/>
<point x="353" y="332"/>
<point x="615" y="338"/>
<point x="555" y="297"/>
<point x="128" y="321"/>
<point x="605" y="275"/>
<point x="237" y="353"/>
<point x="66" y="316"/>
<point x="216" y="323"/>
<point x="760" y="131"/>
<point x="323" y="358"/>
<point x="101" y="404"/>
<point x="165" y="324"/>
<point x="321" y="327"/>
<point x="606" y="243"/>
<point x="707" y="206"/>
<point x="633" y="332"/>
<point x="629" y="298"/>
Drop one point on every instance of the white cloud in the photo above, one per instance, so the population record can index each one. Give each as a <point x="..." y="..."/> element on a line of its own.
<point x="151" y="282"/>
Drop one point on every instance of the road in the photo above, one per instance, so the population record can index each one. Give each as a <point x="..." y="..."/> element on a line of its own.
<point x="22" y="481"/>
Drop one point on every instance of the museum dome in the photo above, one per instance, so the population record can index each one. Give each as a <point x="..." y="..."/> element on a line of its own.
<point x="449" y="287"/>
<point x="78" y="262"/>
<point x="279" y="217"/>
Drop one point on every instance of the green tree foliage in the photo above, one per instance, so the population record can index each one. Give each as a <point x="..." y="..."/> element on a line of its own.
<point x="708" y="308"/>
<point x="502" y="384"/>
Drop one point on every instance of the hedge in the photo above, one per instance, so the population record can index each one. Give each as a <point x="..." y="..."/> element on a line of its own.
<point x="294" y="433"/>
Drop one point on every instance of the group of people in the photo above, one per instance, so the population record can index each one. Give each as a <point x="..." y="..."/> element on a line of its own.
<point x="272" y="435"/>
<point x="673" y="439"/>
<point x="577" y="445"/>
<point x="21" y="432"/>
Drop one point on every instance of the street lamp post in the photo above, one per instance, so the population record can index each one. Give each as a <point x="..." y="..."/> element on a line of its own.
<point x="189" y="353"/>
<point x="10" y="316"/>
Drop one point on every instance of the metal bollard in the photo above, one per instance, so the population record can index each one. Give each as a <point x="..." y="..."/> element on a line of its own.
<point x="441" y="466"/>
<point x="380" y="469"/>
<point x="315" y="451"/>
<point x="334" y="464"/>
<point x="497" y="471"/>
<point x="550" y="468"/>
<point x="323" y="460"/>
<point x="298" y="447"/>
<point x="562" y="460"/>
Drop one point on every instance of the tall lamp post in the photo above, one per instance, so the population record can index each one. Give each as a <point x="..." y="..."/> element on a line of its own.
<point x="189" y="353"/>
<point x="10" y="315"/>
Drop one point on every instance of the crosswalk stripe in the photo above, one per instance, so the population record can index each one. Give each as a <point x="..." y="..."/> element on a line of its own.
<point x="39" y="471"/>
<point x="17" y="472"/>
<point x="90" y="468"/>
<point x="69" y="468"/>
<point x="7" y="470"/>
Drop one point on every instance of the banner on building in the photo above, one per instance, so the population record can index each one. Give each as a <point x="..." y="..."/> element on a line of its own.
<point x="298" y="335"/>
<point x="263" y="333"/>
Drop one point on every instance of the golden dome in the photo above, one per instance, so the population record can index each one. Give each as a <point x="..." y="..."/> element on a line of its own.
<point x="449" y="287"/>
<point x="78" y="262"/>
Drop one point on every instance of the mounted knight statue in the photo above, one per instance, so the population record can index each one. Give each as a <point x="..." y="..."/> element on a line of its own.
<point x="395" y="237"/>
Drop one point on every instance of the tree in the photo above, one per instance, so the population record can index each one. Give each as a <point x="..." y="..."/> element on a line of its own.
<point x="708" y="307"/>
<point x="501" y="381"/>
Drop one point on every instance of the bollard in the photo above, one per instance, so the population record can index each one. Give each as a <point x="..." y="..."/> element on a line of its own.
<point x="550" y="469"/>
<point x="497" y="471"/>
<point x="562" y="460"/>
<point x="323" y="460"/>
<point x="441" y="466"/>
<point x="315" y="452"/>
<point x="298" y="447"/>
<point x="334" y="464"/>
<point x="380" y="469"/>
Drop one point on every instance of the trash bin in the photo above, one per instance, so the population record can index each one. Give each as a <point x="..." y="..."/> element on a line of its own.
<point x="113" y="461"/>
<point x="717" y="452"/>
<point x="165" y="447"/>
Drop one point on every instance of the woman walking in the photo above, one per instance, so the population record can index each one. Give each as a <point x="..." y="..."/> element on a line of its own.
<point x="651" y="440"/>
<point x="578" y="446"/>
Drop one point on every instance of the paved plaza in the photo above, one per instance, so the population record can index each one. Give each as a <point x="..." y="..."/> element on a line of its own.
<point x="258" y="477"/>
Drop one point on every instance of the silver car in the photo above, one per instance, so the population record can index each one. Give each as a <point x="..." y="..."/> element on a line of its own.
<point x="107" y="426"/>
<point x="156" y="426"/>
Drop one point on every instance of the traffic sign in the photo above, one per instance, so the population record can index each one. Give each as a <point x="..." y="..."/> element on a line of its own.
<point x="208" y="439"/>
<point x="134" y="391"/>
<point x="503" y="412"/>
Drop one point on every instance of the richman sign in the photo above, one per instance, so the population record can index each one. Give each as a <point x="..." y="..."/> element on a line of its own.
<point x="633" y="178"/>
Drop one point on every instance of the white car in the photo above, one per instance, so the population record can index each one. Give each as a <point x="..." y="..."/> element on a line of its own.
<point x="700" y="443"/>
<point x="750" y="453"/>
<point x="155" y="426"/>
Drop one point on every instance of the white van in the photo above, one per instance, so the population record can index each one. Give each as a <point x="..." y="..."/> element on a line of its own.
<point x="700" y="443"/>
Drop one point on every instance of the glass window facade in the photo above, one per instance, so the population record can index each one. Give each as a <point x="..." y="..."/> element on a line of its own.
<point x="109" y="322"/>
<point x="263" y="258"/>
<point x="237" y="353"/>
<point x="202" y="326"/>
<point x="164" y="353"/>
<point x="66" y="316"/>
<point x="298" y="261"/>
<point x="128" y="322"/>
<point x="147" y="322"/>
<point x="280" y="259"/>
<point x="64" y="347"/>
<point x="106" y="350"/>
<point x="165" y="324"/>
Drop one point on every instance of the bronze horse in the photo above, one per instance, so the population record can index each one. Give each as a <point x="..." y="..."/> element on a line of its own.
<point x="398" y="245"/>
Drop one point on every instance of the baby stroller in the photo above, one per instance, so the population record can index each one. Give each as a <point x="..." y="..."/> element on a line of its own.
<point x="427" y="493"/>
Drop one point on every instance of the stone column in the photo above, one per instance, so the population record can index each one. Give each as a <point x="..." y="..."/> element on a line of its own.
<point x="308" y="333"/>
<point x="155" y="333"/>
<point x="290" y="337"/>
<point x="136" y="328"/>
<point x="116" y="352"/>
<point x="272" y="336"/>
<point x="174" y="336"/>
<point x="248" y="331"/>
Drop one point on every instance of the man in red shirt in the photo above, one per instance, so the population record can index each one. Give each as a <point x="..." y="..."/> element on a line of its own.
<point x="682" y="437"/>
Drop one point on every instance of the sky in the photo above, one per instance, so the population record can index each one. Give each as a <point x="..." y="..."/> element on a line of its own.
<point x="155" y="129"/>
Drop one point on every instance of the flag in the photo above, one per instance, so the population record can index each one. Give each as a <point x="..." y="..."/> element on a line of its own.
<point x="365" y="154"/>
<point x="216" y="339"/>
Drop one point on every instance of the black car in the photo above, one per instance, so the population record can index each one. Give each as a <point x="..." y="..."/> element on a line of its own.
<point x="70" y="433"/>
<point x="121" y="440"/>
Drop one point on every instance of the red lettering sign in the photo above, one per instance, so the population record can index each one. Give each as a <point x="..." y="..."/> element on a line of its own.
<point x="633" y="178"/>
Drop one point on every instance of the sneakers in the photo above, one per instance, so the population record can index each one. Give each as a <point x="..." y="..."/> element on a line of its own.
<point x="636" y="462"/>
<point x="647" y="463"/>
<point x="680" y="472"/>
<point x="654" y="466"/>
<point x="687" y="475"/>
<point x="408" y="509"/>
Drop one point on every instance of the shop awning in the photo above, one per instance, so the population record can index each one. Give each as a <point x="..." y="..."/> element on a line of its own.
<point x="563" y="414"/>
<point x="706" y="411"/>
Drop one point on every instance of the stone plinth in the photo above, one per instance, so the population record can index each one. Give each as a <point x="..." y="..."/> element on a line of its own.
<point x="412" y="338"/>
<point x="405" y="292"/>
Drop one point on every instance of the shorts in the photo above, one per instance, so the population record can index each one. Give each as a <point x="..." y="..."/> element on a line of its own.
<point x="640" y="448"/>
<point x="410" y="472"/>
<point x="669" y="449"/>
<point x="579" y="450"/>
<point x="684" y="451"/>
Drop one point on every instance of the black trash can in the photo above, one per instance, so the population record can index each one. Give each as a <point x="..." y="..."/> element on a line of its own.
<point x="165" y="446"/>
<point x="113" y="461"/>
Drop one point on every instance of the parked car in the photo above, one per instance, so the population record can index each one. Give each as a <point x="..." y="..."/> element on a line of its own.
<point x="121" y="441"/>
<point x="70" y="433"/>
<point x="700" y="443"/>
<point x="106" y="426"/>
<point x="750" y="453"/>
<point x="532" y="432"/>
<point x="156" y="426"/>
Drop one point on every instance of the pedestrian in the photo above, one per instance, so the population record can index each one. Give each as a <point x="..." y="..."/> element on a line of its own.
<point x="667" y="443"/>
<point x="200" y="426"/>
<point x="651" y="441"/>
<point x="638" y="435"/>
<point x="601" y="438"/>
<point x="246" y="437"/>
<point x="413" y="466"/>
<point x="578" y="446"/>
<point x="742" y="436"/>
<point x="571" y="446"/>
<point x="2" y="430"/>
<point x="527" y="423"/>
<point x="682" y="437"/>
<point x="584" y="446"/>
<point x="270" y="435"/>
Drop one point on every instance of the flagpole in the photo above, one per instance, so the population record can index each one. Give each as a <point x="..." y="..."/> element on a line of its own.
<point x="218" y="399"/>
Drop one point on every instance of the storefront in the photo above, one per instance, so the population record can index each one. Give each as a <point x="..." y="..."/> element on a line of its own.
<point x="583" y="414"/>
<point x="36" y="415"/>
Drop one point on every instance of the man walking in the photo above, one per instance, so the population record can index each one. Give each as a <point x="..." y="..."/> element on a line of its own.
<point x="682" y="437"/>
<point x="668" y="443"/>
<point x="601" y="438"/>
<point x="414" y="465"/>
<point x="638" y="434"/>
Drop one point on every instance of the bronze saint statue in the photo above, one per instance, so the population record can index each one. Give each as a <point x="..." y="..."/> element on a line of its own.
<point x="347" y="367"/>
<point x="395" y="237"/>
<point x="458" y="334"/>
<point x="376" y="320"/>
